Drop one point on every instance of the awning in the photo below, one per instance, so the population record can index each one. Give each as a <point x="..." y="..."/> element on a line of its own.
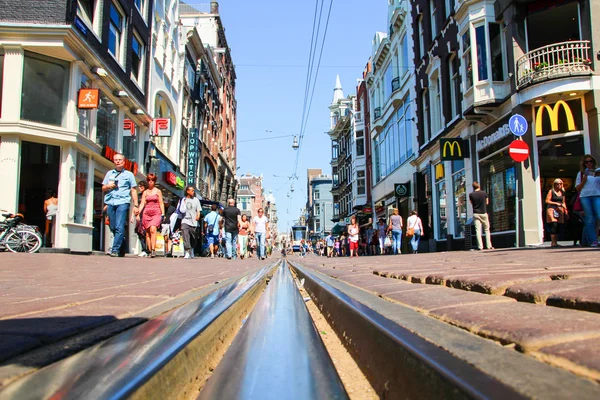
<point x="338" y="228"/>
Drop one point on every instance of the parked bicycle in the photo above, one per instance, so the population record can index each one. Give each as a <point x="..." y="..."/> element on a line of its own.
<point x="17" y="237"/>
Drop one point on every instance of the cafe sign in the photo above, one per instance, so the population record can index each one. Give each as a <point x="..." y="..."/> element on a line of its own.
<point x="192" y="163"/>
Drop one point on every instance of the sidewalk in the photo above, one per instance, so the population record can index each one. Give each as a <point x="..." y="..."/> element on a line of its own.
<point x="50" y="302"/>
<point x="543" y="302"/>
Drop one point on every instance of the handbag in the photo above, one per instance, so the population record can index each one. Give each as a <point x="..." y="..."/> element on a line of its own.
<point x="387" y="242"/>
<point x="577" y="205"/>
<point x="410" y="232"/>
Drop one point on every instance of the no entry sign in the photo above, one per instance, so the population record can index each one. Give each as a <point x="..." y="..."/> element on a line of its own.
<point x="518" y="150"/>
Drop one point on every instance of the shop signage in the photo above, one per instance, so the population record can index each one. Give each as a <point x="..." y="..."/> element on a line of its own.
<point x="402" y="189"/>
<point x="128" y="127"/>
<point x="439" y="171"/>
<point x="81" y="26"/>
<point x="179" y="183"/>
<point x="518" y="150"/>
<point x="518" y="125"/>
<point x="454" y="149"/>
<point x="502" y="132"/>
<point x="170" y="178"/>
<point x="192" y="163"/>
<point x="553" y="114"/>
<point x="161" y="127"/>
<point x="109" y="154"/>
<point x="88" y="98"/>
<point x="367" y="210"/>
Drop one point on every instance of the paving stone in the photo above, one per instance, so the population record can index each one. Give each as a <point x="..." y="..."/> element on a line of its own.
<point x="581" y="356"/>
<point x="540" y="292"/>
<point x="493" y="284"/>
<point x="530" y="326"/>
<point x="586" y="299"/>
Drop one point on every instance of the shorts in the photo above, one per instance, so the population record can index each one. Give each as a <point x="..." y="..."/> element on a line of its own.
<point x="212" y="239"/>
<point x="353" y="245"/>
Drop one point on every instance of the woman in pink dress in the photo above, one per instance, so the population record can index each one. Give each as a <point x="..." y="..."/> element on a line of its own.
<point x="154" y="210"/>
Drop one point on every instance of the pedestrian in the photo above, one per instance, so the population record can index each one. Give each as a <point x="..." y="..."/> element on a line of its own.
<point x="381" y="235"/>
<point x="139" y="226"/>
<point x="233" y="219"/>
<point x="260" y="227"/>
<point x="152" y="209"/>
<point x="343" y="245"/>
<point x="119" y="186"/>
<point x="588" y="186"/>
<point x="211" y="227"/>
<point x="414" y="230"/>
<point x="190" y="208"/>
<point x="336" y="246"/>
<point x="51" y="209"/>
<point x="479" y="200"/>
<point x="243" y="235"/>
<point x="166" y="231"/>
<point x="556" y="211"/>
<point x="353" y="237"/>
<point x="395" y="225"/>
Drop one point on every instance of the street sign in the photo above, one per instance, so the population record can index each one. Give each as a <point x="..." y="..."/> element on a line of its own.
<point x="518" y="150"/>
<point x="518" y="125"/>
<point x="454" y="149"/>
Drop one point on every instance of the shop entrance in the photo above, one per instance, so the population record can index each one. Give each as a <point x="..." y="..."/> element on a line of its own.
<point x="559" y="157"/>
<point x="98" y="233"/>
<point x="40" y="167"/>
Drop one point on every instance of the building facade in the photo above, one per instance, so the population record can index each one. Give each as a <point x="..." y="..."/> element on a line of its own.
<point x="362" y="140"/>
<point x="320" y="213"/>
<point x="250" y="195"/>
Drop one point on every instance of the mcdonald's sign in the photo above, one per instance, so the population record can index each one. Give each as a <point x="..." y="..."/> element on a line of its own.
<point x="553" y="114"/>
<point x="454" y="149"/>
<point x="439" y="171"/>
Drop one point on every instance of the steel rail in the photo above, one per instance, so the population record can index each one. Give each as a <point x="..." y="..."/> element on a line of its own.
<point x="120" y="366"/>
<point x="278" y="353"/>
<point x="397" y="362"/>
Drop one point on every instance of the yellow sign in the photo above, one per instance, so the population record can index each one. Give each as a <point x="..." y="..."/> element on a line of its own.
<point x="439" y="171"/>
<point x="553" y="114"/>
<point x="454" y="149"/>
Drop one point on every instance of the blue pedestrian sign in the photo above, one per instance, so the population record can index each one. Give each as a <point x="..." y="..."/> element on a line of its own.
<point x="518" y="124"/>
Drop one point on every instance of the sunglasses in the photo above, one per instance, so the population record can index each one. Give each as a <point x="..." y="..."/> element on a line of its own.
<point x="588" y="161"/>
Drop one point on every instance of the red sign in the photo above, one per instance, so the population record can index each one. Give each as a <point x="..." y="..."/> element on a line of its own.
<point x="128" y="128"/>
<point x="161" y="127"/>
<point x="171" y="178"/>
<point x="518" y="150"/>
<point x="109" y="154"/>
<point x="88" y="98"/>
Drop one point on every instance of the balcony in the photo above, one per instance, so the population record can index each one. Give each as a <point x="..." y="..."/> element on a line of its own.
<point x="554" y="61"/>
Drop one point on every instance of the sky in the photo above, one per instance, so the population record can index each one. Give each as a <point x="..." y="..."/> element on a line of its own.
<point x="270" y="42"/>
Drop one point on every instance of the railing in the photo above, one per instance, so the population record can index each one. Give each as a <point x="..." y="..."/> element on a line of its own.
<point x="395" y="84"/>
<point x="554" y="61"/>
<point x="377" y="112"/>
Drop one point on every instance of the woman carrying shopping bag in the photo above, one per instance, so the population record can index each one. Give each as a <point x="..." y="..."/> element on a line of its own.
<point x="414" y="230"/>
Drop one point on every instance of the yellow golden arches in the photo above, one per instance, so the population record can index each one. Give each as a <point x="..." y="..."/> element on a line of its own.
<point x="553" y="114"/>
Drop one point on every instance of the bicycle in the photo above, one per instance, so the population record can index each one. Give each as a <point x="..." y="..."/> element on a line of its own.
<point x="17" y="237"/>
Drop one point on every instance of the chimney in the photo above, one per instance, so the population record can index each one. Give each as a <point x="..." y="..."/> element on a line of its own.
<point x="214" y="7"/>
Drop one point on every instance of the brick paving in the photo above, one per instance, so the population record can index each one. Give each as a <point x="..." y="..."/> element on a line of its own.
<point x="544" y="302"/>
<point x="45" y="298"/>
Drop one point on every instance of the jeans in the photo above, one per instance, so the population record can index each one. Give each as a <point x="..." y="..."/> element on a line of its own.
<point x="117" y="216"/>
<point x="414" y="240"/>
<point x="591" y="209"/>
<point x="260" y="241"/>
<point x="482" y="219"/>
<point x="231" y="244"/>
<point x="190" y="237"/>
<point x="397" y="240"/>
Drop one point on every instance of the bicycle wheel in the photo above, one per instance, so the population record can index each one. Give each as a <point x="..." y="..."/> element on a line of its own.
<point x="21" y="241"/>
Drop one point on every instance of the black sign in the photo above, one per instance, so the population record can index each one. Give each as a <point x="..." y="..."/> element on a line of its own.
<point x="192" y="164"/>
<point x="454" y="149"/>
<point x="402" y="189"/>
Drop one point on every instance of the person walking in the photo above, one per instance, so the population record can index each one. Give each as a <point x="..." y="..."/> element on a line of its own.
<point x="139" y="226"/>
<point x="211" y="227"/>
<point x="243" y="236"/>
<point x="190" y="208"/>
<point x="260" y="227"/>
<point x="152" y="209"/>
<point x="51" y="209"/>
<point x="588" y="186"/>
<point x="479" y="200"/>
<point x="395" y="225"/>
<point x="381" y="235"/>
<point x="556" y="211"/>
<point x="120" y="189"/>
<point x="414" y="230"/>
<point x="233" y="219"/>
<point x="330" y="241"/>
<point x="353" y="237"/>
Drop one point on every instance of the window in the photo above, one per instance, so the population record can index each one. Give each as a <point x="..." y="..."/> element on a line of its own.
<point x="318" y="225"/>
<point x="317" y="209"/>
<point x="496" y="52"/>
<point x="421" y="40"/>
<point x="89" y="12"/>
<point x="360" y="144"/>
<point x="405" y="61"/>
<point x="460" y="197"/>
<point x="481" y="46"/>
<point x="137" y="58"/>
<point x="404" y="130"/>
<point x="163" y="110"/>
<point x="449" y="8"/>
<point x="433" y="11"/>
<point x="455" y="106"/>
<point x="44" y="94"/>
<point x="467" y="62"/>
<point x="389" y="75"/>
<point x="316" y="195"/>
<point x="85" y="114"/>
<point x="131" y="143"/>
<point x="442" y="220"/>
<point x="435" y="102"/>
<point x="140" y="4"/>
<point x="107" y="122"/>
<point x="1" y="78"/>
<point x="81" y="179"/>
<point x="115" y="32"/>
<point x="361" y="183"/>
<point x="190" y="73"/>
<point x="426" y="132"/>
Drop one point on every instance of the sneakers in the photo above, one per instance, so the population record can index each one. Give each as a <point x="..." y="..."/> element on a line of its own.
<point x="187" y="254"/>
<point x="212" y="256"/>
<point x="114" y="254"/>
<point x="595" y="244"/>
<point x="143" y="254"/>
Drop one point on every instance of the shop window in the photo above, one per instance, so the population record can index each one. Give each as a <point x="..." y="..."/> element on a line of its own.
<point x="498" y="180"/>
<point x="45" y="89"/>
<point x="482" y="59"/>
<point x="442" y="217"/>
<point x="116" y="30"/>
<point x="81" y="179"/>
<point x="467" y="61"/>
<point x="131" y="143"/>
<point x="85" y="114"/>
<point x="137" y="58"/>
<point x="460" y="197"/>
<point x="361" y="183"/>
<point x="496" y="52"/>
<point x="107" y="124"/>
<point x="454" y="87"/>
<point x="1" y="78"/>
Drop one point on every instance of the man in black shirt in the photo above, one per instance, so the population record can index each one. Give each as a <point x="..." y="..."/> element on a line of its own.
<point x="479" y="201"/>
<point x="233" y="219"/>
